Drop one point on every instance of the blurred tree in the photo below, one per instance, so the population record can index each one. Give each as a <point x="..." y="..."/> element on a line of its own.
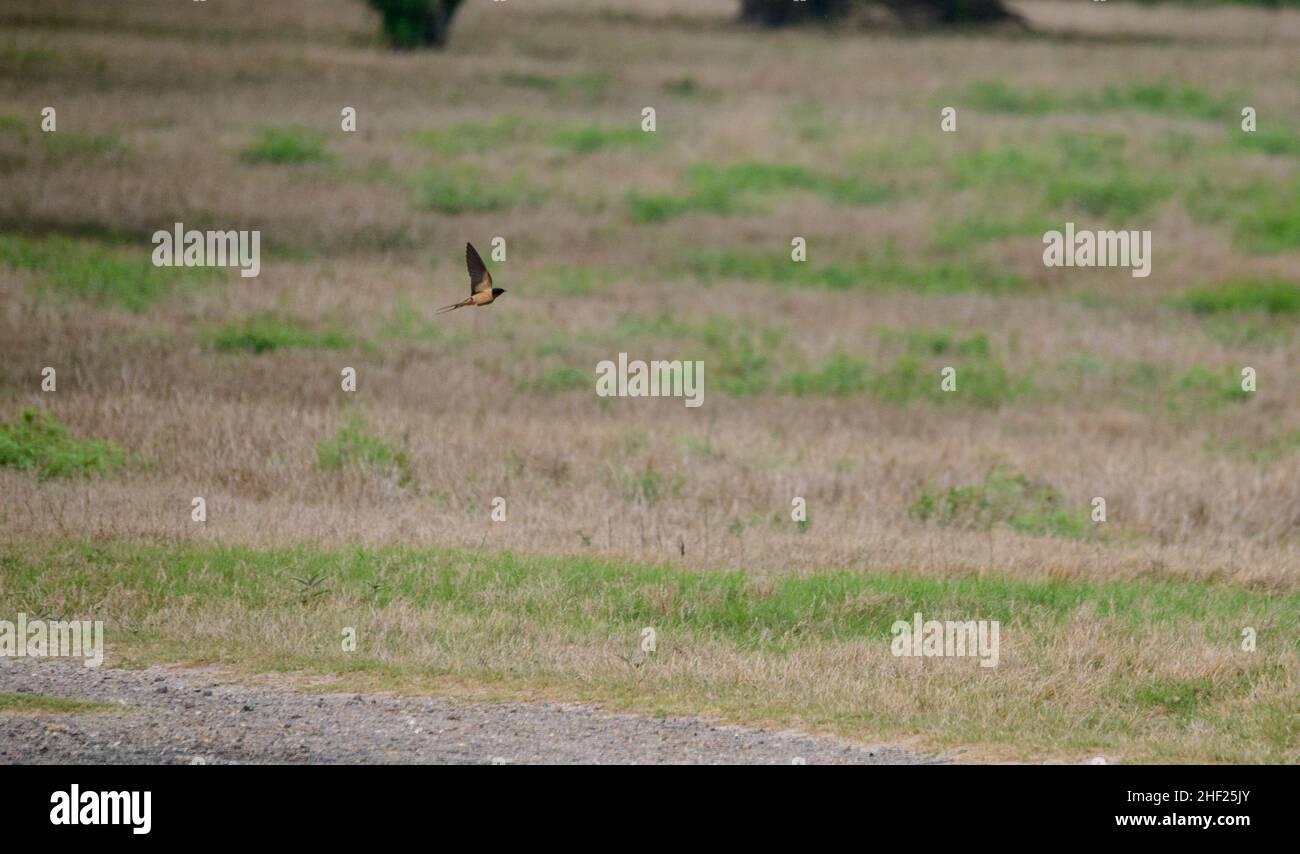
<point x="776" y="13"/>
<point x="424" y="23"/>
<point x="416" y="23"/>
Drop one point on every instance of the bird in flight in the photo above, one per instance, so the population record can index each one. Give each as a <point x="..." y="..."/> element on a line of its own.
<point x="481" y="291"/>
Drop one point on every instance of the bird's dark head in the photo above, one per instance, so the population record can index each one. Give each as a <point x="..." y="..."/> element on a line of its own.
<point x="496" y="292"/>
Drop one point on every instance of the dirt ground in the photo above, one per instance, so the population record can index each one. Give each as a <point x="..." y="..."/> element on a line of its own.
<point x="199" y="716"/>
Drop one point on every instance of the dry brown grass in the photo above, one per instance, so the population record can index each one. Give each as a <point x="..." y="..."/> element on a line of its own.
<point x="185" y="86"/>
<point x="242" y="430"/>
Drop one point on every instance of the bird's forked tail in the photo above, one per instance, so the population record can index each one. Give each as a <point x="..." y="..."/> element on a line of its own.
<point x="453" y="307"/>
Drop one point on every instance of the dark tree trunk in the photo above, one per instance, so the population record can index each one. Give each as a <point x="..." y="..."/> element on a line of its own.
<point x="931" y="12"/>
<point x="439" y="22"/>
<point x="416" y="23"/>
<point x="779" y="13"/>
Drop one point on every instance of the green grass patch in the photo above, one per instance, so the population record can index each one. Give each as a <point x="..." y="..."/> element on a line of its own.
<point x="1258" y="331"/>
<point x="739" y="359"/>
<point x="581" y="592"/>
<point x="1001" y="167"/>
<point x="1088" y="151"/>
<point x="981" y="381"/>
<point x="837" y="375"/>
<point x="18" y="58"/>
<point x="12" y="124"/>
<point x="82" y="146"/>
<point x="354" y="447"/>
<point x="1270" y="296"/>
<point x="981" y="378"/>
<point x="1270" y="222"/>
<point x="1152" y="388"/>
<point x="268" y="331"/>
<point x="21" y="704"/>
<point x="589" y="86"/>
<point x="559" y="379"/>
<point x="287" y="145"/>
<point x="998" y="96"/>
<point x="35" y="441"/>
<point x="1161" y="97"/>
<point x="1283" y="142"/>
<point x="463" y="190"/>
<point x="587" y="138"/>
<point x="76" y="145"/>
<point x="737" y="188"/>
<point x="744" y="361"/>
<point x="1084" y="172"/>
<point x="1003" y="497"/>
<point x="1120" y="195"/>
<point x="1181" y="697"/>
<point x="650" y="208"/>
<point x="97" y="273"/>
<point x="474" y="137"/>
<point x="1264" y="215"/>
<point x="63" y="144"/>
<point x="957" y="234"/>
<point x="1166" y="98"/>
<point x="885" y="272"/>
<point x="1217" y="199"/>
<point x="1199" y="388"/>
<point x="763" y="178"/>
<point x="569" y="281"/>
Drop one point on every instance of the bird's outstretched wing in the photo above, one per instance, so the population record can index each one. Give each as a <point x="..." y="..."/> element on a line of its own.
<point x="479" y="278"/>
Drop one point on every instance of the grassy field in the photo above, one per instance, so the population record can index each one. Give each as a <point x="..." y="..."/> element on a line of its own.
<point x="1136" y="670"/>
<point x="822" y="377"/>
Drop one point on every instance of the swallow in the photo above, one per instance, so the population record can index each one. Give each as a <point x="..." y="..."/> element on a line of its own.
<point x="481" y="291"/>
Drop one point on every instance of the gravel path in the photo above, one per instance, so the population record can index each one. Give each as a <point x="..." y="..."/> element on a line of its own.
<point x="199" y="715"/>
